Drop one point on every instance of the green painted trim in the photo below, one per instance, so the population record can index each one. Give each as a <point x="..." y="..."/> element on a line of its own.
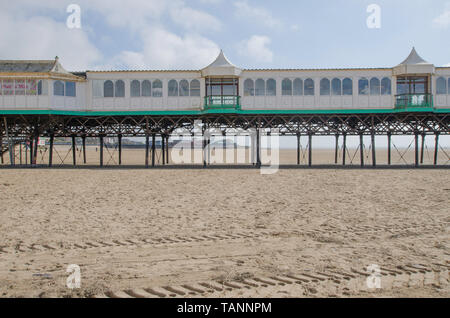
<point x="222" y="111"/>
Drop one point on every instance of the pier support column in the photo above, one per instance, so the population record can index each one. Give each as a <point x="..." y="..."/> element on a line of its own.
<point x="224" y="147"/>
<point x="193" y="148"/>
<point x="208" y="143"/>
<point x="310" y="149"/>
<point x="35" y="150"/>
<point x="422" y="148"/>
<point x="258" y="145"/>
<point x="167" y="149"/>
<point x="298" y="148"/>
<point x="163" y="149"/>
<point x="153" y="149"/>
<point x="204" y="148"/>
<point x="119" y="137"/>
<point x="416" y="149"/>
<point x="74" y="150"/>
<point x="1" y="151"/>
<point x="361" y="149"/>
<point x="147" y="149"/>
<point x="101" y="151"/>
<point x="336" y="149"/>
<point x="389" y="147"/>
<point x="436" y="148"/>
<point x="10" y="145"/>
<point x="252" y="148"/>
<point x="83" y="139"/>
<point x="344" y="148"/>
<point x="31" y="150"/>
<point x="50" y="154"/>
<point x="374" y="154"/>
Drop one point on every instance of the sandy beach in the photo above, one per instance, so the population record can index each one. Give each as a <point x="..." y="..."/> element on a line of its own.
<point x="224" y="233"/>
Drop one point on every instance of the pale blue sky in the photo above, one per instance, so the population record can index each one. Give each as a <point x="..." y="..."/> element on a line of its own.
<point x="254" y="34"/>
<point x="181" y="34"/>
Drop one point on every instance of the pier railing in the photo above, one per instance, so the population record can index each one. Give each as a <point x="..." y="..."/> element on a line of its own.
<point x="405" y="101"/>
<point x="222" y="102"/>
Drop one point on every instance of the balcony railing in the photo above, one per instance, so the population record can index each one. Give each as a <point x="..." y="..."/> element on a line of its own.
<point x="405" y="101"/>
<point x="222" y="102"/>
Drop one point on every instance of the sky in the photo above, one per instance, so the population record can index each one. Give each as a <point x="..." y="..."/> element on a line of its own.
<point x="182" y="34"/>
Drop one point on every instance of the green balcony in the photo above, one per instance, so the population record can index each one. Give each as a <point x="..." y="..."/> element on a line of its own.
<point x="222" y="102"/>
<point x="413" y="101"/>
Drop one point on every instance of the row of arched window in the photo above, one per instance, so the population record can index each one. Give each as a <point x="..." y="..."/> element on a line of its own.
<point x="374" y="86"/>
<point x="300" y="87"/>
<point x="260" y="87"/>
<point x="441" y="86"/>
<point x="147" y="88"/>
<point x="61" y="88"/>
<point x="184" y="88"/>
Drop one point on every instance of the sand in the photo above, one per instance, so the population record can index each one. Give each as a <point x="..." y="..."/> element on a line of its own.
<point x="224" y="233"/>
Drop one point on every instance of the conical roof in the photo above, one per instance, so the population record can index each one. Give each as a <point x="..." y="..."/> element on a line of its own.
<point x="221" y="61"/>
<point x="221" y="67"/>
<point x="414" y="59"/>
<point x="414" y="64"/>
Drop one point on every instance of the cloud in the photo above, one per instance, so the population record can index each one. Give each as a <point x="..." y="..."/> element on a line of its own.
<point x="256" y="48"/>
<point x="256" y="14"/>
<point x="163" y="49"/>
<point x="443" y="20"/>
<point x="43" y="38"/>
<point x="36" y="29"/>
<point x="196" y="20"/>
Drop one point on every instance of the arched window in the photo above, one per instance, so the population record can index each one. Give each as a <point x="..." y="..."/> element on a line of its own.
<point x="119" y="88"/>
<point x="347" y="86"/>
<point x="146" y="88"/>
<point x="108" y="89"/>
<point x="386" y="86"/>
<point x="309" y="87"/>
<point x="298" y="87"/>
<point x="249" y="89"/>
<point x="173" y="88"/>
<point x="195" y="88"/>
<point x="260" y="87"/>
<point x="271" y="89"/>
<point x="157" y="88"/>
<point x="324" y="86"/>
<point x="441" y="86"/>
<point x="39" y="88"/>
<point x="363" y="86"/>
<point x="286" y="87"/>
<point x="374" y="86"/>
<point x="71" y="89"/>
<point x="58" y="88"/>
<point x="184" y="88"/>
<point x="336" y="88"/>
<point x="135" y="89"/>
